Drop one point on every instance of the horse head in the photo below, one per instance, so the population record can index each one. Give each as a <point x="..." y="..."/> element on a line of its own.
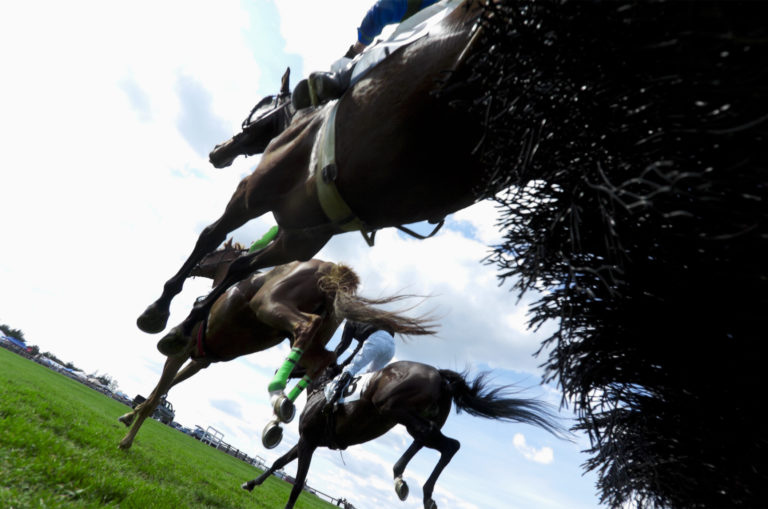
<point x="214" y="265"/>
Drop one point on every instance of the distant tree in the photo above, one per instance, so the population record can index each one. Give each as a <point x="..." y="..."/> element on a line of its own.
<point x="14" y="333"/>
<point x="105" y="380"/>
<point x="71" y="366"/>
<point x="34" y="350"/>
<point x="67" y="365"/>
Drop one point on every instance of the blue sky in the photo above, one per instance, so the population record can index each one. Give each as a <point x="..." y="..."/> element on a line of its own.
<point x="108" y="113"/>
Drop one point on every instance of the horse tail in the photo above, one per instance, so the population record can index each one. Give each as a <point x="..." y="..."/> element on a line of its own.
<point x="494" y="403"/>
<point x="341" y="282"/>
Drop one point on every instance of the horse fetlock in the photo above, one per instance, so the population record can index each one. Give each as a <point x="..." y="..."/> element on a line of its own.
<point x="401" y="488"/>
<point x="429" y="504"/>
<point x="272" y="434"/>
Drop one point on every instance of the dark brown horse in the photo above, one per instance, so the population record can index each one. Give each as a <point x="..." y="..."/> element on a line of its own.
<point x="302" y="301"/>
<point x="214" y="265"/>
<point x="415" y="395"/>
<point x="403" y="155"/>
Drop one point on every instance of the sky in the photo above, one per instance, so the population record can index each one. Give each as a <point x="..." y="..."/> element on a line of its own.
<point x="107" y="113"/>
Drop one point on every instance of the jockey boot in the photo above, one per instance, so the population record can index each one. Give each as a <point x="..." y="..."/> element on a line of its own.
<point x="341" y="384"/>
<point x="324" y="87"/>
<point x="300" y="96"/>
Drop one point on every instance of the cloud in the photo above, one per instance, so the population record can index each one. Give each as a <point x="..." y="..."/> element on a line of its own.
<point x="196" y="122"/>
<point x="137" y="97"/>
<point x="545" y="455"/>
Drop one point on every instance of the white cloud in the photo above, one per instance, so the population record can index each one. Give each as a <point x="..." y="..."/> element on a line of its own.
<point x="319" y="44"/>
<point x="544" y="455"/>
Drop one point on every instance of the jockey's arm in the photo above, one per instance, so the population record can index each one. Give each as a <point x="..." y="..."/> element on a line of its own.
<point x="383" y="13"/>
<point x="346" y="339"/>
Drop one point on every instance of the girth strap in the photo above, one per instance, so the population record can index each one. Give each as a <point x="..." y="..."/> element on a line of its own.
<point x="335" y="208"/>
<point x="331" y="201"/>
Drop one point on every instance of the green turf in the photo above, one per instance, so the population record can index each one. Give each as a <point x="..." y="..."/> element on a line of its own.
<point x="58" y="448"/>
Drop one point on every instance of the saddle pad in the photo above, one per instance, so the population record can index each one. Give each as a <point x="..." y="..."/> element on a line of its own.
<point x="355" y="388"/>
<point x="413" y="28"/>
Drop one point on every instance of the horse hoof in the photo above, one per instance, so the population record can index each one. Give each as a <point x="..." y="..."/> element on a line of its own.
<point x="247" y="486"/>
<point x="172" y="343"/>
<point x="284" y="409"/>
<point x="430" y="504"/>
<point x="272" y="435"/>
<point x="153" y="319"/>
<point x="401" y="488"/>
<point x="126" y="419"/>
<point x="125" y="444"/>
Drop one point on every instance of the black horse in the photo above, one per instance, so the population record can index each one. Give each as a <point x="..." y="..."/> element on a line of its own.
<point x="415" y="395"/>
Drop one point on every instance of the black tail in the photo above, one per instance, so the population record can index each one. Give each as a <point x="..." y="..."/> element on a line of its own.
<point x="476" y="399"/>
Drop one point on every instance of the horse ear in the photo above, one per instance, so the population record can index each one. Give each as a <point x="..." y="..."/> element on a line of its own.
<point x="286" y="87"/>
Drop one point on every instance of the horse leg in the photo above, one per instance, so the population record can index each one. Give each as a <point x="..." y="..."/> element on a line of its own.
<point x="144" y="410"/>
<point x="447" y="448"/>
<point x="277" y="465"/>
<point x="401" y="487"/>
<point x="192" y="368"/>
<point x="288" y="246"/>
<point x="426" y="434"/>
<point x="238" y="212"/>
<point x="305" y="452"/>
<point x="315" y="359"/>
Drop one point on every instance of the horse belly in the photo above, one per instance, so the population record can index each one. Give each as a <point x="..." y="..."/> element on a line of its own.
<point x="360" y="423"/>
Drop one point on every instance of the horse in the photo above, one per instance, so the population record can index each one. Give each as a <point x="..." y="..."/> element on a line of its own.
<point x="403" y="154"/>
<point x="303" y="301"/>
<point x="413" y="394"/>
<point x="214" y="265"/>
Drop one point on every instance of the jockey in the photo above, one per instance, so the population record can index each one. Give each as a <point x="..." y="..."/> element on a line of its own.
<point x="375" y="349"/>
<point x="330" y="85"/>
<point x="325" y="86"/>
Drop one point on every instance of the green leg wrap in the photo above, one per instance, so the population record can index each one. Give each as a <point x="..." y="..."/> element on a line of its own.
<point x="281" y="377"/>
<point x="265" y="240"/>
<point x="303" y="383"/>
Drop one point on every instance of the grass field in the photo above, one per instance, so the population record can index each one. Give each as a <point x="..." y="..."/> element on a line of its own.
<point x="58" y="448"/>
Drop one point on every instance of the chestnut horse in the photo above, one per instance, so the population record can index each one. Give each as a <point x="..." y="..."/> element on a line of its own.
<point x="415" y="395"/>
<point x="303" y="301"/>
<point x="403" y="155"/>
